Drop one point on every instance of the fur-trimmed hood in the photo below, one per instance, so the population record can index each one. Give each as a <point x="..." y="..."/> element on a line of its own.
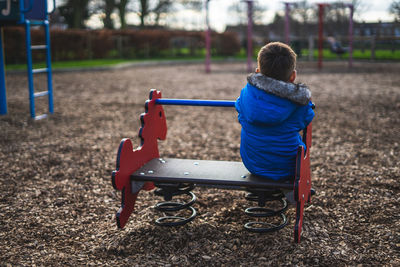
<point x="297" y="93"/>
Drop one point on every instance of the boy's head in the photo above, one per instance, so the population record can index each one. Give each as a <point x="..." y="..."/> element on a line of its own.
<point x="277" y="60"/>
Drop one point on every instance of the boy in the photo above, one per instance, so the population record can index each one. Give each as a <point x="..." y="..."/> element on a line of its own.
<point x="272" y="110"/>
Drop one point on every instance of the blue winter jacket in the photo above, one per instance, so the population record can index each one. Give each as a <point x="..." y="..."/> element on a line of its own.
<point x="272" y="113"/>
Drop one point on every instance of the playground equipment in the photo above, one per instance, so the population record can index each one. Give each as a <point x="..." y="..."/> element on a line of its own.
<point x="335" y="46"/>
<point x="27" y="13"/>
<point x="142" y="168"/>
<point x="295" y="45"/>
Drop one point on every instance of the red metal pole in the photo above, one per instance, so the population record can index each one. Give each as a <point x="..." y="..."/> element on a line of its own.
<point x="3" y="94"/>
<point x="320" y="34"/>
<point x="208" y="40"/>
<point x="287" y="26"/>
<point x="351" y="36"/>
<point x="249" y="35"/>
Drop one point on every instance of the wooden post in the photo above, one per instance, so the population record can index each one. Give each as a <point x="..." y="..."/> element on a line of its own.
<point x="310" y="48"/>
<point x="119" y="46"/>
<point x="320" y="34"/>
<point x="249" y="35"/>
<point x="373" y="43"/>
<point x="208" y="40"/>
<point x="287" y="22"/>
<point x="351" y="36"/>
<point x="89" y="46"/>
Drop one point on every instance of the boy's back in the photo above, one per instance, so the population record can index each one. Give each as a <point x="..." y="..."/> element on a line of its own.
<point x="272" y="112"/>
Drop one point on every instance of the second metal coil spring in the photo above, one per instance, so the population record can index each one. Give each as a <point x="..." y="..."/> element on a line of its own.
<point x="168" y="191"/>
<point x="263" y="197"/>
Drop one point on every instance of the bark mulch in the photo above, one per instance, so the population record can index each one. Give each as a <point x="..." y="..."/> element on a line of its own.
<point x="57" y="204"/>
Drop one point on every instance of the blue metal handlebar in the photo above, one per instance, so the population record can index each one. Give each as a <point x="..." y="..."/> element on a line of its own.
<point x="199" y="102"/>
<point x="195" y="102"/>
<point x="25" y="10"/>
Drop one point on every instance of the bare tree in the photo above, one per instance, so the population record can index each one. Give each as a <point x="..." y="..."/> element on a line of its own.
<point x="161" y="8"/>
<point x="75" y="12"/>
<point x="303" y="12"/>
<point x="109" y="6"/>
<point x="395" y="9"/>
<point x="122" y="9"/>
<point x="156" y="8"/>
<point x="338" y="16"/>
<point x="359" y="6"/>
<point x="143" y="8"/>
<point x="238" y="9"/>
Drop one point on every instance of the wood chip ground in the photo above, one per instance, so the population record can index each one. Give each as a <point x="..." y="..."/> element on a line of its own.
<point x="57" y="204"/>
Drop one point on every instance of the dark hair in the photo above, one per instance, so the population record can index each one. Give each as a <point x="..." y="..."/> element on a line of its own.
<point x="277" y="60"/>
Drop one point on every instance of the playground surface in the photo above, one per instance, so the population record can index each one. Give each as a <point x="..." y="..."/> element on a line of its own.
<point x="57" y="204"/>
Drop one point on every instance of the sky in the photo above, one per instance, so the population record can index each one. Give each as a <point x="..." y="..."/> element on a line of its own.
<point x="372" y="11"/>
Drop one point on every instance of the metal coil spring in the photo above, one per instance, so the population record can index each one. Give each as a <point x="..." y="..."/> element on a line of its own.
<point x="168" y="191"/>
<point x="262" y="197"/>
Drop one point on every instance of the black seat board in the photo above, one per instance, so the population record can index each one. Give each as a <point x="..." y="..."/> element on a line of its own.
<point x="203" y="172"/>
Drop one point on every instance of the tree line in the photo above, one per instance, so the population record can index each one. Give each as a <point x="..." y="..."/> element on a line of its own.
<point x="76" y="12"/>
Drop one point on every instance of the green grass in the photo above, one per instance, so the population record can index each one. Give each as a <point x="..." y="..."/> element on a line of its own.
<point x="70" y="64"/>
<point x="380" y="54"/>
<point x="98" y="62"/>
<point x="103" y="62"/>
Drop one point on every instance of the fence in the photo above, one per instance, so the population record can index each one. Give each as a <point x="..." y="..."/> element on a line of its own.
<point x="364" y="47"/>
<point x="128" y="44"/>
<point x="141" y="44"/>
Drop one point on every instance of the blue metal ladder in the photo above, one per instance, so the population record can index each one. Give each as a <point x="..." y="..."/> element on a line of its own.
<point x="31" y="71"/>
<point x="36" y="14"/>
<point x="28" y="13"/>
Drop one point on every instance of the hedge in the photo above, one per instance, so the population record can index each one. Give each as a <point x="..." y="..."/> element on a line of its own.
<point x="129" y="44"/>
